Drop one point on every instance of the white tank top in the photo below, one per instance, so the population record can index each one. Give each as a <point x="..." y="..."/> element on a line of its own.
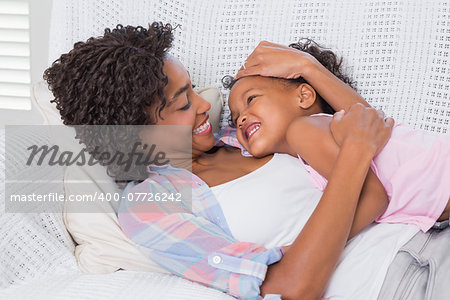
<point x="271" y="205"/>
<point x="274" y="202"/>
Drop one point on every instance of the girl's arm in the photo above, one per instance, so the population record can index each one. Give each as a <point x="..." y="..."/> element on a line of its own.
<point x="311" y="138"/>
<point x="306" y="268"/>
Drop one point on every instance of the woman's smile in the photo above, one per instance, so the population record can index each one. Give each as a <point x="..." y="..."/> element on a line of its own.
<point x="204" y="128"/>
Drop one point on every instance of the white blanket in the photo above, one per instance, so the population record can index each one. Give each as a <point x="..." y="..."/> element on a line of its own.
<point x="118" y="285"/>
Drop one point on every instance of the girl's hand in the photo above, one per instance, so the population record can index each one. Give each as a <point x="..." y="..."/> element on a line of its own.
<point x="269" y="59"/>
<point x="362" y="125"/>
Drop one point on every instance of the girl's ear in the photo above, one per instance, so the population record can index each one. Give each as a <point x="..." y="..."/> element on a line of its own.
<point x="306" y="95"/>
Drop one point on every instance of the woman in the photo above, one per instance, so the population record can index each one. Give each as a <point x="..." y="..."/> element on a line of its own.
<point x="127" y="77"/>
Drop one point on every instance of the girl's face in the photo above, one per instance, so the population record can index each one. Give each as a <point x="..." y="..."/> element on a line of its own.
<point x="185" y="107"/>
<point x="262" y="108"/>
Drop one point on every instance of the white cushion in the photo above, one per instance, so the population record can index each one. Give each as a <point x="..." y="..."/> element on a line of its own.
<point x="214" y="97"/>
<point x="42" y="96"/>
<point x="102" y="246"/>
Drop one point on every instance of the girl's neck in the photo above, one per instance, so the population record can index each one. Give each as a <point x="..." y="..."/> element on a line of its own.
<point x="286" y="149"/>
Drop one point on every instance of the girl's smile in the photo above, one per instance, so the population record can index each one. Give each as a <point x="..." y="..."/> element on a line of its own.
<point x="262" y="109"/>
<point x="250" y="129"/>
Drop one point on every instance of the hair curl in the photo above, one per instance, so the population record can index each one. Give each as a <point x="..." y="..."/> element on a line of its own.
<point x="325" y="56"/>
<point x="114" y="79"/>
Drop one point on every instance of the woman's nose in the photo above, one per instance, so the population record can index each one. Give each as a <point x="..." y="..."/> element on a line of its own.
<point x="202" y="105"/>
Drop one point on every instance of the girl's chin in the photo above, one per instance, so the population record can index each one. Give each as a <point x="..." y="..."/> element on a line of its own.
<point x="258" y="150"/>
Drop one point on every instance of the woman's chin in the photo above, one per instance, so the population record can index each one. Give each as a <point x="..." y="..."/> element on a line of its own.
<point x="202" y="143"/>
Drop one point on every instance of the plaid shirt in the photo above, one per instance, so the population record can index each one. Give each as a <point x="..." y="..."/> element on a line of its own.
<point x="188" y="235"/>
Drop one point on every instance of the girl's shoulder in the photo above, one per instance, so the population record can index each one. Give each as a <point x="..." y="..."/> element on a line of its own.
<point x="322" y="114"/>
<point x="310" y="137"/>
<point x="313" y="129"/>
<point x="313" y="122"/>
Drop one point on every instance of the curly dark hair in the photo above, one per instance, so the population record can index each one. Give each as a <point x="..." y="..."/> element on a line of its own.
<point x="110" y="80"/>
<point x="325" y="56"/>
<point x="114" y="79"/>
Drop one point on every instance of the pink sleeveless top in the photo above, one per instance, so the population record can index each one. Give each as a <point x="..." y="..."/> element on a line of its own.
<point x="414" y="168"/>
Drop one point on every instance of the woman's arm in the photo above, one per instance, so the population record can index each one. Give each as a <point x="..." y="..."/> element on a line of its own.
<point x="338" y="94"/>
<point x="270" y="59"/>
<point x="306" y="268"/>
<point x="311" y="138"/>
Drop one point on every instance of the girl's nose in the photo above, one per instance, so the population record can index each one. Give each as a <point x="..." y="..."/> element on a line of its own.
<point x="241" y="121"/>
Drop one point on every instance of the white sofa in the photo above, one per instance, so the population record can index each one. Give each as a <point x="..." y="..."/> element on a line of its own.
<point x="397" y="52"/>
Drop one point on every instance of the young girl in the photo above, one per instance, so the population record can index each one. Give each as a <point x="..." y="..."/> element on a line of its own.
<point x="287" y="115"/>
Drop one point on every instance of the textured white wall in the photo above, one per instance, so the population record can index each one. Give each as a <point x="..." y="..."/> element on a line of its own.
<point x="397" y="51"/>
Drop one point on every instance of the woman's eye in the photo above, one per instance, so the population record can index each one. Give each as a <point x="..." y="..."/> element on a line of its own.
<point x="249" y="99"/>
<point x="187" y="106"/>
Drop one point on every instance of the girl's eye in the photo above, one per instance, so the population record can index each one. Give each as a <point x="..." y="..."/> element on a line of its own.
<point x="187" y="106"/>
<point x="249" y="99"/>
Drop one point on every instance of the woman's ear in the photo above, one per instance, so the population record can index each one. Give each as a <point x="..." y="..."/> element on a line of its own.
<point x="306" y="95"/>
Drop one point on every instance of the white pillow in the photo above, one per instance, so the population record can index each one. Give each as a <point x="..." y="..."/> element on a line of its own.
<point x="214" y="97"/>
<point x="42" y="96"/>
<point x="102" y="247"/>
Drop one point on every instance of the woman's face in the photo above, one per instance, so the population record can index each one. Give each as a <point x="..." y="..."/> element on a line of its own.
<point x="185" y="107"/>
<point x="262" y="108"/>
